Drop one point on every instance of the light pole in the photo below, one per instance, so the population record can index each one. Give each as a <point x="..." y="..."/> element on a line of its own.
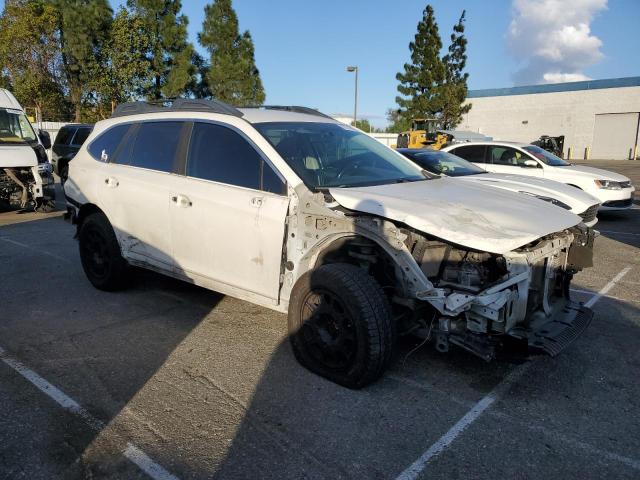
<point x="355" y="103"/>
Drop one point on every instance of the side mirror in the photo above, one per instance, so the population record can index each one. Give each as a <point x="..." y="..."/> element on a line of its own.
<point x="45" y="139"/>
<point x="530" y="164"/>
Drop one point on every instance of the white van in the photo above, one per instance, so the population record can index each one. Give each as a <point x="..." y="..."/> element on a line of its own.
<point x="26" y="178"/>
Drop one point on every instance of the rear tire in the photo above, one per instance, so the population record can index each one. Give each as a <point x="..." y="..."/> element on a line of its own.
<point x="100" y="254"/>
<point x="340" y="325"/>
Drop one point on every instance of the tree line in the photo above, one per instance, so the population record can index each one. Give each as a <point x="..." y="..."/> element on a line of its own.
<point x="78" y="59"/>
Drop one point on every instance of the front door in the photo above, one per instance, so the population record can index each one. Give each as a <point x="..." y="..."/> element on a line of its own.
<point x="505" y="159"/>
<point x="228" y="212"/>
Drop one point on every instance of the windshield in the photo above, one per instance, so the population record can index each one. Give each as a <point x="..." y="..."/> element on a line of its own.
<point x="546" y="157"/>
<point x="15" y="128"/>
<point x="442" y="163"/>
<point x="333" y="155"/>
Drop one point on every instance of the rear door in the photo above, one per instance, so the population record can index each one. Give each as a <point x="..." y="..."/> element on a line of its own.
<point x="137" y="188"/>
<point x="472" y="153"/>
<point x="228" y="212"/>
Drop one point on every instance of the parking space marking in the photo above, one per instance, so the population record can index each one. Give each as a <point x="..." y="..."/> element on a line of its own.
<point x="133" y="453"/>
<point x="417" y="467"/>
<point x="38" y="250"/>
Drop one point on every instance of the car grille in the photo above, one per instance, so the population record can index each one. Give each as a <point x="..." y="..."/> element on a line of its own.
<point x="618" y="203"/>
<point x="625" y="184"/>
<point x="590" y="213"/>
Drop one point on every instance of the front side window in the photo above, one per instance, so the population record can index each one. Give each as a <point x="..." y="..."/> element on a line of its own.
<point x="220" y="154"/>
<point x="15" y="128"/>
<point x="104" y="147"/>
<point x="443" y="163"/>
<point x="331" y="155"/>
<point x="471" y="153"/>
<point x="155" y="146"/>
<point x="545" y="156"/>
<point x="506" y="156"/>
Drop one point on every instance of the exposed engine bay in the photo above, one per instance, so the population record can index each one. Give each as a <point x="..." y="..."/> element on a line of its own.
<point x="28" y="187"/>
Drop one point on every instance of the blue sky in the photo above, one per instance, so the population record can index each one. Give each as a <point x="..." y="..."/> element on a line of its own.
<point x="303" y="47"/>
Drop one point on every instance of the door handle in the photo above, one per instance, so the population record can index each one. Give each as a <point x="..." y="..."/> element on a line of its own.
<point x="181" y="201"/>
<point x="256" y="201"/>
<point x="111" y="182"/>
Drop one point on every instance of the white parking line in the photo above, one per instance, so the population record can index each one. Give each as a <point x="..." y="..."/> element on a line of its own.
<point x="417" y="467"/>
<point x="133" y="453"/>
<point x="38" y="250"/>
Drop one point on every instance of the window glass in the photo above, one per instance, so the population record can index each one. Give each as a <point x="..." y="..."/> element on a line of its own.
<point x="442" y="163"/>
<point x="218" y="153"/>
<point x="547" y="157"/>
<point x="64" y="136"/>
<point x="506" y="156"/>
<point x="81" y="136"/>
<point x="155" y="145"/>
<point x="15" y="128"/>
<point x="333" y="155"/>
<point x="271" y="182"/>
<point x="471" y="153"/>
<point x="104" y="147"/>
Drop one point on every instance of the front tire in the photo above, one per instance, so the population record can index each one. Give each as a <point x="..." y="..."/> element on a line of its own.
<point x="100" y="254"/>
<point x="340" y="325"/>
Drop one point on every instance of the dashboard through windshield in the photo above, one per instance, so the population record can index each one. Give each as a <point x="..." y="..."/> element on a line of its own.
<point x="15" y="128"/>
<point x="332" y="155"/>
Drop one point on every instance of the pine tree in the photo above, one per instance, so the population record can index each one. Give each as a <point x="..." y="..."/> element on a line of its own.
<point x="232" y="76"/>
<point x="422" y="81"/>
<point x="84" y="30"/>
<point x="169" y="53"/>
<point x="455" y="91"/>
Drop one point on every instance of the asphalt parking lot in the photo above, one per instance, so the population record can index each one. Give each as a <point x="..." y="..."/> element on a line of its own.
<point x="167" y="380"/>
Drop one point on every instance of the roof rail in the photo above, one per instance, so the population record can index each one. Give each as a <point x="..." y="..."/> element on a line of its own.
<point x="294" y="108"/>
<point x="175" y="105"/>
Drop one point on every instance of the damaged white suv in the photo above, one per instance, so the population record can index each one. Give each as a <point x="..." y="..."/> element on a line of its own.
<point x="289" y="209"/>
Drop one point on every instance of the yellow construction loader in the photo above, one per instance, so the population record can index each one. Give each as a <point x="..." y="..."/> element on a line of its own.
<point x="424" y="132"/>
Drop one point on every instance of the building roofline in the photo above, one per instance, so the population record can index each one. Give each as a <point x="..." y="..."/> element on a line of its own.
<point x="556" y="87"/>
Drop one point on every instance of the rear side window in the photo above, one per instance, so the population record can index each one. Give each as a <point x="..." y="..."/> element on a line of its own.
<point x="104" y="147"/>
<point x="471" y="153"/>
<point x="222" y="155"/>
<point x="81" y="136"/>
<point x="64" y="136"/>
<point x="155" y="146"/>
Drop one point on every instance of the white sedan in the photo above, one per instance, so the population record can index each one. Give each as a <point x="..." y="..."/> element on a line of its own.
<point x="559" y="194"/>
<point x="614" y="191"/>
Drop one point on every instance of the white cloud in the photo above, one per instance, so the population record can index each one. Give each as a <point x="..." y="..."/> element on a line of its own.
<point x="553" y="40"/>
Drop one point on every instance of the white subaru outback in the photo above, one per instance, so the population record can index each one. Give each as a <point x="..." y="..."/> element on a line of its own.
<point x="289" y="209"/>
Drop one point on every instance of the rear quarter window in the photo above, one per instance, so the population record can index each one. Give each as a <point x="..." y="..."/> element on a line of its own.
<point x="104" y="147"/>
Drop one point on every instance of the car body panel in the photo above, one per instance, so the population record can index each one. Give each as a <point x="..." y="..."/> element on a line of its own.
<point x="17" y="156"/>
<point x="576" y="175"/>
<point x="472" y="215"/>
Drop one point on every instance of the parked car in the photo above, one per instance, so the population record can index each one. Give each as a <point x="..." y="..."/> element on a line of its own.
<point x="289" y="209"/>
<point x="25" y="172"/>
<point x="559" y="194"/>
<point x="612" y="189"/>
<point x="67" y="143"/>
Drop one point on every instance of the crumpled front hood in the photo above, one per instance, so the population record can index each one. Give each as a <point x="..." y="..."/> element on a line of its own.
<point x="577" y="199"/>
<point x="590" y="172"/>
<point x="17" y="156"/>
<point x="465" y="213"/>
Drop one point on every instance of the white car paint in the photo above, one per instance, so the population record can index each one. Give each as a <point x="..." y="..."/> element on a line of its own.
<point x="468" y="213"/>
<point x="17" y="156"/>
<point x="579" y="201"/>
<point x="579" y="176"/>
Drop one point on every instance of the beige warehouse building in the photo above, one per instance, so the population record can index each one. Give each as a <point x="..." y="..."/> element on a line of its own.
<point x="598" y="117"/>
